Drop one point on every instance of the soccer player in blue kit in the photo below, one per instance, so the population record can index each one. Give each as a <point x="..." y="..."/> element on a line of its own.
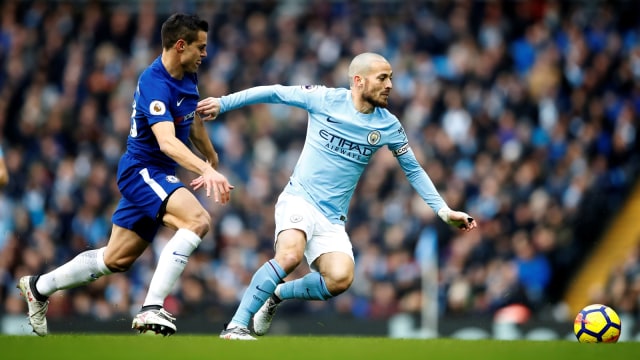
<point x="345" y="128"/>
<point x="163" y="121"/>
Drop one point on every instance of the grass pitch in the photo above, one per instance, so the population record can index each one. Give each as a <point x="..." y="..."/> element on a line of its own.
<point x="183" y="347"/>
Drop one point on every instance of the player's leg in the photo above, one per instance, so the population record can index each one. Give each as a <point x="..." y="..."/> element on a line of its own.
<point x="334" y="276"/>
<point x="289" y="253"/>
<point x="123" y="248"/>
<point x="330" y="256"/>
<point x="157" y="197"/>
<point x="293" y="223"/>
<point x="185" y="214"/>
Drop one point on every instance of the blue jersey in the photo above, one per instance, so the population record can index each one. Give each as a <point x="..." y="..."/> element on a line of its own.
<point x="339" y="144"/>
<point x="159" y="97"/>
<point x="146" y="176"/>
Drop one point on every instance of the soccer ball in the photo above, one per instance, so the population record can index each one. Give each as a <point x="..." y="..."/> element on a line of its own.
<point x="597" y="323"/>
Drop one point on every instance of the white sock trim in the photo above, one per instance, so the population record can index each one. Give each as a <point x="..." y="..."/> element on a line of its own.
<point x="192" y="238"/>
<point x="104" y="269"/>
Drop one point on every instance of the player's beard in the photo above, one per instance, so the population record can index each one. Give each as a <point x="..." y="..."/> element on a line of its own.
<point x="379" y="101"/>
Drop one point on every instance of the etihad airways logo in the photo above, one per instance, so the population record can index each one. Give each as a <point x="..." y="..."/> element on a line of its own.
<point x="346" y="147"/>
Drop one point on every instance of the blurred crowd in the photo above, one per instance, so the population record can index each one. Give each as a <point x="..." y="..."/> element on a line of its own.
<point x="520" y="111"/>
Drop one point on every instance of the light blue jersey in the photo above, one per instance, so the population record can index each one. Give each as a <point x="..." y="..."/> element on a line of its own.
<point x="339" y="144"/>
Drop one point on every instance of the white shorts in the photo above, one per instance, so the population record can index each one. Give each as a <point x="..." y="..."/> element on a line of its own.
<point x="294" y="212"/>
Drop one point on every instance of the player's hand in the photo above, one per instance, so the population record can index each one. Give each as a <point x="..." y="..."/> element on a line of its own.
<point x="208" y="108"/>
<point x="462" y="221"/>
<point x="459" y="219"/>
<point x="197" y="183"/>
<point x="214" y="182"/>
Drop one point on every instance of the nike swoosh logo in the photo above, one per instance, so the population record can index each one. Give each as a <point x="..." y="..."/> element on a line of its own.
<point x="264" y="291"/>
<point x="330" y="120"/>
<point x="180" y="101"/>
<point x="178" y="254"/>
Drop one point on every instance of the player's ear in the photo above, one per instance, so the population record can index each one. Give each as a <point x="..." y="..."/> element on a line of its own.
<point x="180" y="44"/>
<point x="357" y="80"/>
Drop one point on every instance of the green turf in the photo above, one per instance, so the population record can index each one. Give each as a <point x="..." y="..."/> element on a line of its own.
<point x="179" y="347"/>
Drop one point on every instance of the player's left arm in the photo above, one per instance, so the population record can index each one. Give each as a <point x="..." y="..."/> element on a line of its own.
<point x="422" y="183"/>
<point x="200" y="139"/>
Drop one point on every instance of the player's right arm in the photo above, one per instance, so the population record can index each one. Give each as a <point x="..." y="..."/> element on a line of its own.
<point x="171" y="146"/>
<point x="297" y="96"/>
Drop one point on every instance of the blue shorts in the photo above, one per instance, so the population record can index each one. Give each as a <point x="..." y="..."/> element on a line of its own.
<point x="145" y="191"/>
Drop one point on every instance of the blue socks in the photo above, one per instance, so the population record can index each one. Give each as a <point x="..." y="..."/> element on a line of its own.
<point x="309" y="287"/>
<point x="262" y="285"/>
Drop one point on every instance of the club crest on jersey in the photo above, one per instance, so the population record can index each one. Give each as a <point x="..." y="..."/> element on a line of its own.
<point x="308" y="88"/>
<point x="295" y="218"/>
<point x="157" y="108"/>
<point x="172" y="179"/>
<point x="373" y="137"/>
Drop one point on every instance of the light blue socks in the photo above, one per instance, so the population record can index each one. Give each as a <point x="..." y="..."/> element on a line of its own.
<point x="309" y="287"/>
<point x="262" y="285"/>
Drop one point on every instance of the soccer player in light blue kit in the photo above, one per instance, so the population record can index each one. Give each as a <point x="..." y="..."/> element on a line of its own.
<point x="163" y="121"/>
<point x="345" y="128"/>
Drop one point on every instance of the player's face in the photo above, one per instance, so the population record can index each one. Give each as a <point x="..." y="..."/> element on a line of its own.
<point x="194" y="53"/>
<point x="377" y="84"/>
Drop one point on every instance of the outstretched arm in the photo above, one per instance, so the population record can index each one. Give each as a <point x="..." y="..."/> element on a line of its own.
<point x="210" y="107"/>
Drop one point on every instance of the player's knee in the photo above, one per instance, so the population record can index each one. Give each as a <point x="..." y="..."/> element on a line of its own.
<point x="338" y="281"/>
<point x="201" y="223"/>
<point x="118" y="265"/>
<point x="289" y="260"/>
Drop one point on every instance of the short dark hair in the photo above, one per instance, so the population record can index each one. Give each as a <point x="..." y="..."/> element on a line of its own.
<point x="182" y="26"/>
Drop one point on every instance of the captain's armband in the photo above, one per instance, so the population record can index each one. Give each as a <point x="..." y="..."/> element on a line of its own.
<point x="401" y="150"/>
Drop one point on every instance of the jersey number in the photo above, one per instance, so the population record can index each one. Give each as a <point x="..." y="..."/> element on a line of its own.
<point x="133" y="132"/>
